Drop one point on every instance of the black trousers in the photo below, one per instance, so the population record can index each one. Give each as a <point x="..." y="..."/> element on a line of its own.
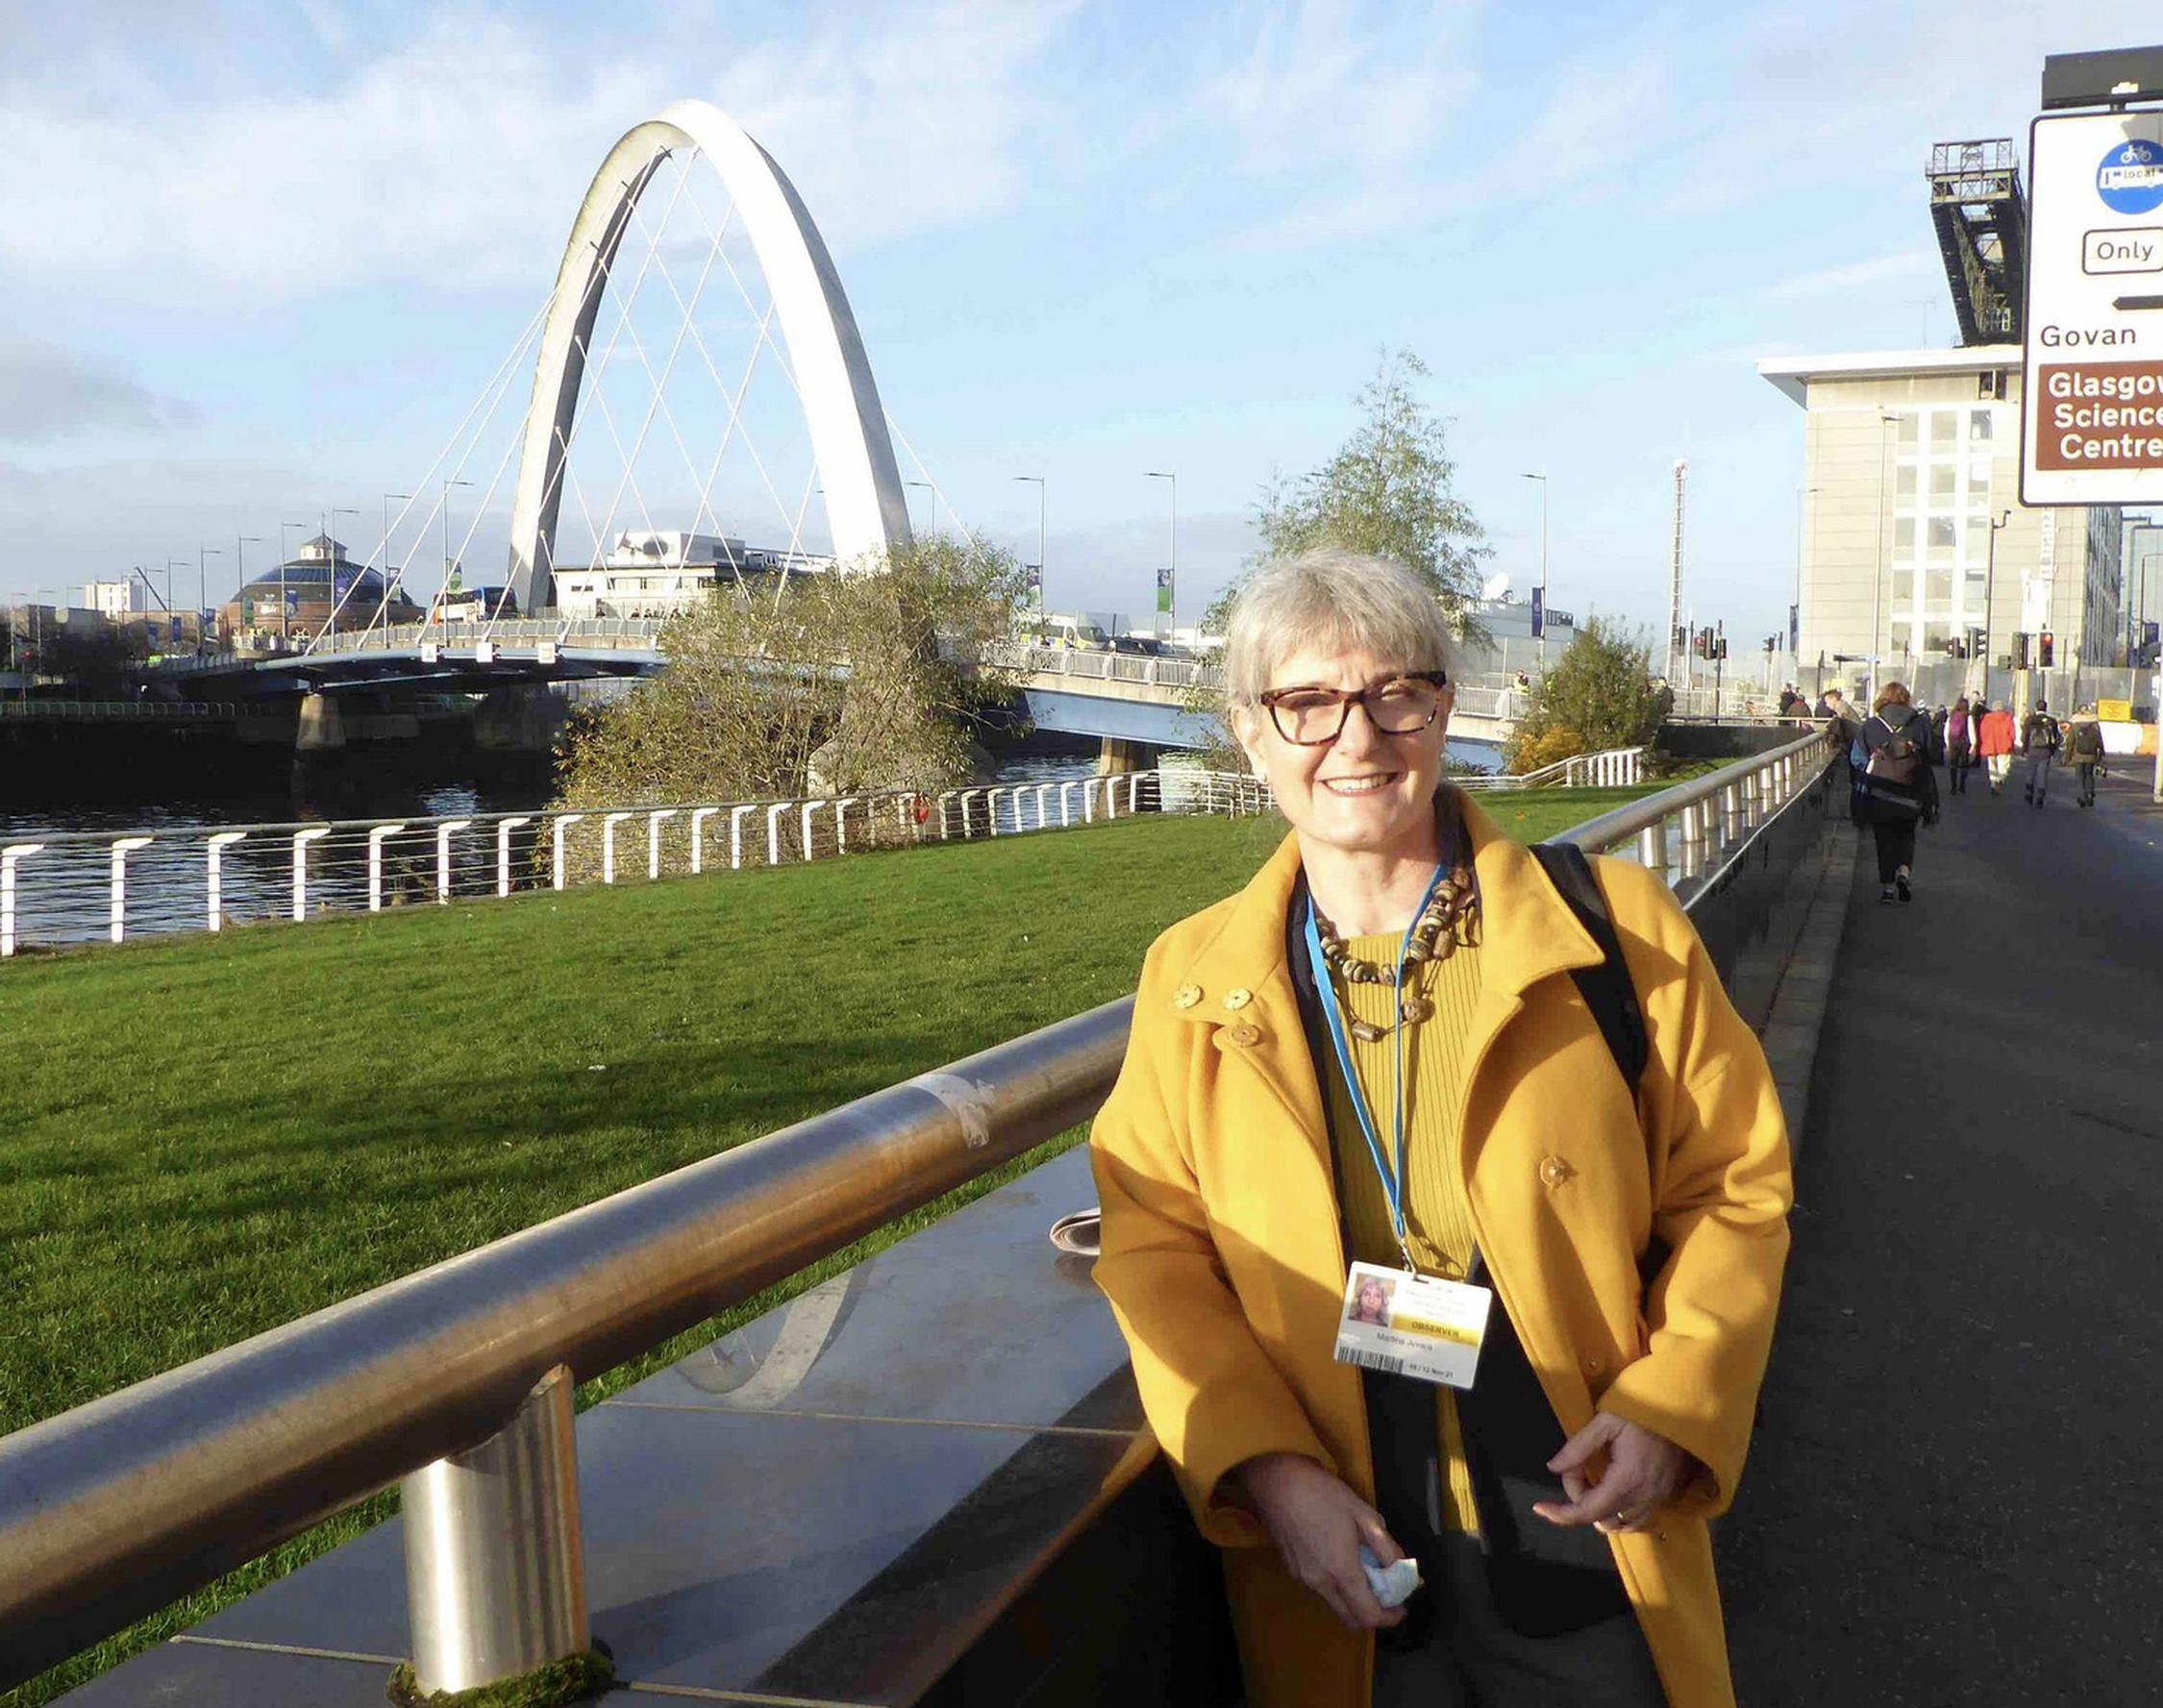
<point x="1477" y="1661"/>
<point x="1956" y="765"/>
<point x="2087" y="775"/>
<point x="1896" y="847"/>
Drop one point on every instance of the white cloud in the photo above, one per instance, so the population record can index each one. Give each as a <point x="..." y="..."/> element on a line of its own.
<point x="47" y="393"/>
<point x="1901" y="266"/>
<point x="459" y="157"/>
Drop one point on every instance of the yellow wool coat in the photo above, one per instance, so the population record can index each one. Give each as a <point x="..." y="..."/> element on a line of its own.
<point x="1223" y="1259"/>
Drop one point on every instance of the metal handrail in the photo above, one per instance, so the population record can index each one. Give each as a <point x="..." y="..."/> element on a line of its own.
<point x="1633" y="819"/>
<point x="120" y="1506"/>
<point x="116" y="1508"/>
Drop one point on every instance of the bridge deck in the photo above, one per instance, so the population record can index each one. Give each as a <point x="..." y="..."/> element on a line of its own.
<point x="1953" y="1499"/>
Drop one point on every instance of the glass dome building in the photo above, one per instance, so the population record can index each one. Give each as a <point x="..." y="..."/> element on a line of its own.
<point x="300" y="594"/>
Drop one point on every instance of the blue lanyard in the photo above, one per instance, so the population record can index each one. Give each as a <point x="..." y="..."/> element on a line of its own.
<point x="1392" y="1180"/>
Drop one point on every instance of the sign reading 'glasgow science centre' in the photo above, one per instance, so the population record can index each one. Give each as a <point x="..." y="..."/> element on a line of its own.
<point x="2091" y="391"/>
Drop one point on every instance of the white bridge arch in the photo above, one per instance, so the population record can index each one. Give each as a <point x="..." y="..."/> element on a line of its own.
<point x="865" y="507"/>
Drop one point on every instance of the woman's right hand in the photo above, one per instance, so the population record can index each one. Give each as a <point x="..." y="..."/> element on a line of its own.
<point x="1318" y="1526"/>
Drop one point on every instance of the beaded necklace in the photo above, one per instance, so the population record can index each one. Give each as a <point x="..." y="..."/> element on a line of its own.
<point x="1443" y="925"/>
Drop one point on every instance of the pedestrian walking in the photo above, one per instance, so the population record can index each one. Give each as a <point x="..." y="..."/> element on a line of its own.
<point x="1960" y="742"/>
<point x="1939" y="718"/>
<point x="2039" y="742"/>
<point x="1897" y="790"/>
<point x="2085" y="750"/>
<point x="1995" y="743"/>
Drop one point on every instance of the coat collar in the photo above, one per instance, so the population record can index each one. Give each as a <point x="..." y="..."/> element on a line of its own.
<point x="1528" y="932"/>
<point x="1239" y="983"/>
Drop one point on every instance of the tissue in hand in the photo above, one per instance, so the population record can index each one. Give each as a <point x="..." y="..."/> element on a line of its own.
<point x="1393" y="1585"/>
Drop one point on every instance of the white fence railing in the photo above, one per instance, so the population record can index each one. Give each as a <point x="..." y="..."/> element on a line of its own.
<point x="113" y="884"/>
<point x="1618" y="768"/>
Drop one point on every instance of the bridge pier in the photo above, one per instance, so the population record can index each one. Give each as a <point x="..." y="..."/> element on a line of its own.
<point x="519" y="721"/>
<point x="321" y="728"/>
<point x="1118" y="756"/>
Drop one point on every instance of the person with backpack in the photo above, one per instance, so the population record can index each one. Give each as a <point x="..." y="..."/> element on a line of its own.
<point x="1406" y="1021"/>
<point x="1958" y="742"/>
<point x="2039" y="741"/>
<point x="2085" y="750"/>
<point x="1995" y="743"/>
<point x="1897" y="789"/>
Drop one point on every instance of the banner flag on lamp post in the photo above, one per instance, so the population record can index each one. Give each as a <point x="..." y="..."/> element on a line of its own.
<point x="1539" y="613"/>
<point x="1164" y="590"/>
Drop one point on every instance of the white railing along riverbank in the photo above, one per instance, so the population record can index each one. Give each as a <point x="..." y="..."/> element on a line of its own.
<point x="108" y="885"/>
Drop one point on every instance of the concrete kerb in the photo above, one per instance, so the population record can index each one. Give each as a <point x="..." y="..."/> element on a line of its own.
<point x="1792" y="1029"/>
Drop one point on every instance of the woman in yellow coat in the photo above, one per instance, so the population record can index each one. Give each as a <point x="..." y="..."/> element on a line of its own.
<point x="1379" y="1053"/>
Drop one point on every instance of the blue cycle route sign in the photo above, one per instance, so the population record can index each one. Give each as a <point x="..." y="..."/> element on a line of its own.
<point x="2130" y="178"/>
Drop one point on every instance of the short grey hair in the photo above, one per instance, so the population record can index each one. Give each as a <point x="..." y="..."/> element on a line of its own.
<point x="1340" y="600"/>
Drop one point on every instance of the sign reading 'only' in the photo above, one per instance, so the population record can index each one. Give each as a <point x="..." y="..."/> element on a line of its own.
<point x="2092" y="392"/>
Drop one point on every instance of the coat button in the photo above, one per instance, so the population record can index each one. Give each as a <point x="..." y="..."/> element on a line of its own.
<point x="1244" y="1034"/>
<point x="1236" y="1000"/>
<point x="1553" y="1171"/>
<point x="1188" y="995"/>
<point x="1592" y="1366"/>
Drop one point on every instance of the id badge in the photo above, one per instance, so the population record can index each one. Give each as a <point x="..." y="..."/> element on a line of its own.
<point x="1415" y="1326"/>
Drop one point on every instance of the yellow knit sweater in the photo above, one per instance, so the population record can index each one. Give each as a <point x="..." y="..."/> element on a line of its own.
<point x="1438" y="1222"/>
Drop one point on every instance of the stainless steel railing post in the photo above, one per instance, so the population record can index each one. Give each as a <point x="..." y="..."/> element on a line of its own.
<point x="495" y="1573"/>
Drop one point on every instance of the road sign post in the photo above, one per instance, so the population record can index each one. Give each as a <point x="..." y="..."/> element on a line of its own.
<point x="2092" y="372"/>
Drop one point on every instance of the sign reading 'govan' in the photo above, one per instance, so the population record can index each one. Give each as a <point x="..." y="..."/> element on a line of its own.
<point x="2092" y="384"/>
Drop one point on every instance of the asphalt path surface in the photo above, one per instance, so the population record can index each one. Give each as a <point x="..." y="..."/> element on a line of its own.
<point x="1956" y="1495"/>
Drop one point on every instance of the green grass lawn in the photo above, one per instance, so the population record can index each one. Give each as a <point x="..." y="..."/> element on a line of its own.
<point x="203" y="1138"/>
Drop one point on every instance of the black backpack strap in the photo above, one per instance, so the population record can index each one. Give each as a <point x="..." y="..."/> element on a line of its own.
<point x="1606" y="988"/>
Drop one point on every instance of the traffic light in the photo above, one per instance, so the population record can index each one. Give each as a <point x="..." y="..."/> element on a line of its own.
<point x="1680" y="638"/>
<point x="1953" y="649"/>
<point x="2046" y="649"/>
<point x="1720" y="646"/>
<point x="1697" y="642"/>
<point x="2020" y="650"/>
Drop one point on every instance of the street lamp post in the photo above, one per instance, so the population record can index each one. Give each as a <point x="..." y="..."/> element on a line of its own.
<point x="1171" y="602"/>
<point x="202" y="592"/>
<point x="444" y="511"/>
<point x="1990" y="588"/>
<point x="382" y="563"/>
<point x="284" y="557"/>
<point x="241" y="544"/>
<point x="170" y="562"/>
<point x="1041" y="501"/>
<point x="1795" y="615"/>
<point x="329" y="533"/>
<point x="1541" y="636"/>
<point x="927" y="486"/>
<point x="1878" y="573"/>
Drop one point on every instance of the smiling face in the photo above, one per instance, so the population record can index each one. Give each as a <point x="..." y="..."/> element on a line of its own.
<point x="1365" y="792"/>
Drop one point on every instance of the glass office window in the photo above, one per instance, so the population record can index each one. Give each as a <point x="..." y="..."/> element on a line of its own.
<point x="1904" y="431"/>
<point x="1902" y="636"/>
<point x="1937" y="589"/>
<point x="1941" y="486"/>
<point x="1978" y="427"/>
<point x="1945" y="426"/>
<point x="1903" y="480"/>
<point x="1904" y="537"/>
<point x="1904" y="586"/>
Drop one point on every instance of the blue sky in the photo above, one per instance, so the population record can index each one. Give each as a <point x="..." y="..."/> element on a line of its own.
<point x="258" y="261"/>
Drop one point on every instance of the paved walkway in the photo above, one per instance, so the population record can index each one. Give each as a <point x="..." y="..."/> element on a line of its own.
<point x="1957" y="1493"/>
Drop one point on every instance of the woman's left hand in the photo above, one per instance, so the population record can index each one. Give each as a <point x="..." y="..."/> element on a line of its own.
<point x="1644" y="1472"/>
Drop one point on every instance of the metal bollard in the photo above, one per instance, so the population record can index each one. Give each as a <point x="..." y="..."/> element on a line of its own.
<point x="496" y="1570"/>
<point x="1652" y="847"/>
